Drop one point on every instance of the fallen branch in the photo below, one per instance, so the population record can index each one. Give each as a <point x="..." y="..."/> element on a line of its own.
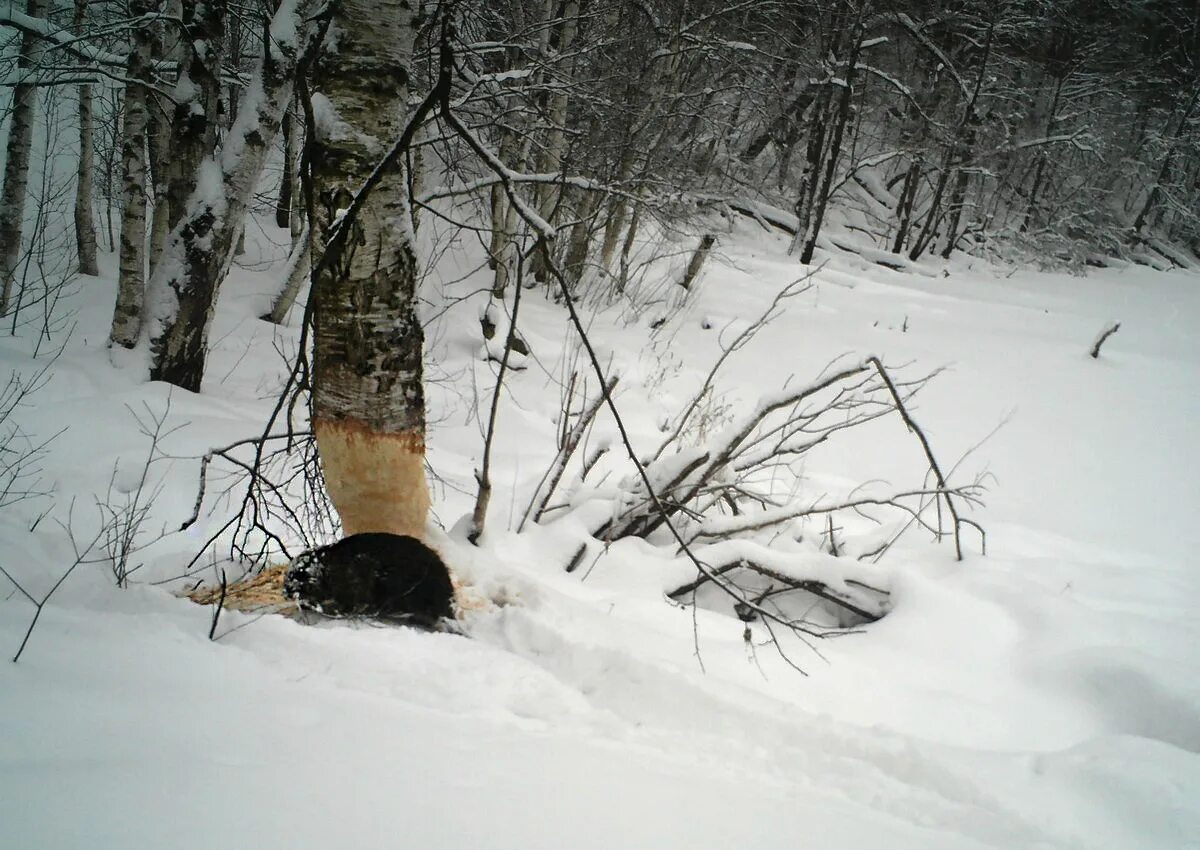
<point x="552" y="477"/>
<point x="1109" y="329"/>
<point x="816" y="588"/>
<point x="943" y="488"/>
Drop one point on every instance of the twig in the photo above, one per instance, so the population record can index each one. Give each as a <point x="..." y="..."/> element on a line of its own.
<point x="212" y="629"/>
<point x="1109" y="329"/>
<point x="550" y="480"/>
<point x="479" y="514"/>
<point x="933" y="464"/>
<point x="39" y="605"/>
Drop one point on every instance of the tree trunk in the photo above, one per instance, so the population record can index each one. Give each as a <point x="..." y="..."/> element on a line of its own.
<point x="1164" y="170"/>
<point x="199" y="251"/>
<point x="934" y="214"/>
<point x="159" y="138"/>
<point x="614" y="224"/>
<point x="168" y="47"/>
<point x="16" y="166"/>
<point x="298" y="266"/>
<point x="131" y="278"/>
<point x="580" y="239"/>
<point x="502" y="250"/>
<point x="696" y="263"/>
<point x="368" y="393"/>
<point x="85" y="225"/>
<point x="197" y="101"/>
<point x="548" y="196"/>
<point x="283" y="207"/>
<point x="821" y="195"/>
<point x="908" y="196"/>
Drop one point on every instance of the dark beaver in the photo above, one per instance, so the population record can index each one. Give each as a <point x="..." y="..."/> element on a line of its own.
<point x="390" y="576"/>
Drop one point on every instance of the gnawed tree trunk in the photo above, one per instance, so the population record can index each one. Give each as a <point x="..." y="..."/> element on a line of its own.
<point x="16" y="166"/>
<point x="131" y="277"/>
<point x="368" y="394"/>
<point x="199" y="251"/>
<point x="85" y="224"/>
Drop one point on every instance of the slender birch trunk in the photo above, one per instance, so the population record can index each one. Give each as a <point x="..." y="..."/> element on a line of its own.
<point x="298" y="266"/>
<point x="131" y="277"/>
<point x="85" y="224"/>
<point x="16" y="166"/>
<point x="368" y="394"/>
<point x="548" y="196"/>
<point x="283" y="207"/>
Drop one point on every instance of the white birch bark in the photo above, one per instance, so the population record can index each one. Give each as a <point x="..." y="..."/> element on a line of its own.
<point x="85" y="224"/>
<point x="184" y="289"/>
<point x="131" y="276"/>
<point x="368" y="393"/>
<point x="16" y="167"/>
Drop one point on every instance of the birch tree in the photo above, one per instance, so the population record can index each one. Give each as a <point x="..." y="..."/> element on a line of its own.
<point x="131" y="279"/>
<point x="368" y="403"/>
<point x="85" y="225"/>
<point x="16" y="166"/>
<point x="199" y="250"/>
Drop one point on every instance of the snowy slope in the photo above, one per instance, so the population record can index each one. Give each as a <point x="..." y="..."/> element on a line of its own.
<point x="1047" y="695"/>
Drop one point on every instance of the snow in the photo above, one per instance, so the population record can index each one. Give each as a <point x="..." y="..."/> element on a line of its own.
<point x="1043" y="696"/>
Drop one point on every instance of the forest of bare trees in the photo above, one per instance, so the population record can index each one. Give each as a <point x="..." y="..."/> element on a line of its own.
<point x="1058" y="131"/>
<point x="1064" y="129"/>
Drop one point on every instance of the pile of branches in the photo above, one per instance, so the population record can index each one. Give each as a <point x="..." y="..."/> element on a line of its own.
<point x="712" y="501"/>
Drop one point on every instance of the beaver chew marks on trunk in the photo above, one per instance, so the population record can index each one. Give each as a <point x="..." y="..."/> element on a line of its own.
<point x="390" y="576"/>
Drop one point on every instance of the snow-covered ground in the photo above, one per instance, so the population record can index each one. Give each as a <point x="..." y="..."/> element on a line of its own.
<point x="1047" y="695"/>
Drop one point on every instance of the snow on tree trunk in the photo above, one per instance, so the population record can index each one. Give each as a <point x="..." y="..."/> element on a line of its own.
<point x="16" y="167"/>
<point x="199" y="250"/>
<point x="131" y="277"/>
<point x="368" y="394"/>
<point x="197" y="98"/>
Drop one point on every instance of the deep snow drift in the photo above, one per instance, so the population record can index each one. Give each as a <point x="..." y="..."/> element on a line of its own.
<point x="1047" y="695"/>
